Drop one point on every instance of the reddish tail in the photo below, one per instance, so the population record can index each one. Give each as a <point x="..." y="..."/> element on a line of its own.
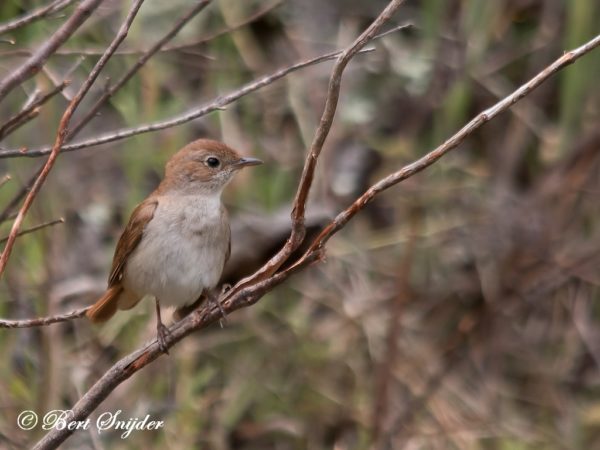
<point x="106" y="306"/>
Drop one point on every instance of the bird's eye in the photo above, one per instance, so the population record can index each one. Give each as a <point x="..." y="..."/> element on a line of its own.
<point x="212" y="162"/>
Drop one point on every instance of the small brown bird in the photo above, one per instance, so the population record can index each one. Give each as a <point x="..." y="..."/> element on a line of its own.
<point x="178" y="239"/>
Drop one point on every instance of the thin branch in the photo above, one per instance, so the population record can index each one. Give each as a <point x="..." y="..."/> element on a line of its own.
<point x="132" y="363"/>
<point x="31" y="98"/>
<point x="217" y="104"/>
<point x="183" y="20"/>
<point x="248" y="20"/>
<point x="451" y="143"/>
<point x="214" y="105"/>
<point x="169" y="48"/>
<point x="333" y="92"/>
<point x="10" y="217"/>
<point x="34" y="15"/>
<point x="43" y="321"/>
<point x="35" y="228"/>
<point x="33" y="65"/>
<point x="24" y="116"/>
<point x="7" y="212"/>
<point x="62" y="132"/>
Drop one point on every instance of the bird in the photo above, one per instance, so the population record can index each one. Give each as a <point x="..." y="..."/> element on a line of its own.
<point x="178" y="239"/>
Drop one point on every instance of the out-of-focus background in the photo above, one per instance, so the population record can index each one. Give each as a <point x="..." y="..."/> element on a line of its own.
<point x="459" y="311"/>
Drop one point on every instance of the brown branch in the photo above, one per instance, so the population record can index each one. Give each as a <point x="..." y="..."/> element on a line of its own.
<point x="10" y="217"/>
<point x="43" y="321"/>
<point x="33" y="65"/>
<point x="34" y="15"/>
<point x="7" y="212"/>
<point x="35" y="228"/>
<point x="214" y="105"/>
<point x="169" y="48"/>
<point x="132" y="363"/>
<point x="422" y="163"/>
<point x="91" y="113"/>
<point x="25" y="115"/>
<point x="62" y="131"/>
<point x="333" y="92"/>
<point x="248" y="20"/>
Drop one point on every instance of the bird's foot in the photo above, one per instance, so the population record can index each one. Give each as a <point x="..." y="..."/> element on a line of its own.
<point x="214" y="299"/>
<point x="162" y="334"/>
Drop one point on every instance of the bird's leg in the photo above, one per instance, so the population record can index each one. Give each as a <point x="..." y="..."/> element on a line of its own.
<point x="213" y="298"/>
<point x="161" y="331"/>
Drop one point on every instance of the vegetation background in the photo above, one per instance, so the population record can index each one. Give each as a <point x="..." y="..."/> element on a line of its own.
<point x="460" y="310"/>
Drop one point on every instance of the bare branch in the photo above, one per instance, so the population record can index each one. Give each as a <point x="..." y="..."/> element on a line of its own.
<point x="20" y="119"/>
<point x="214" y="105"/>
<point x="217" y="104"/>
<point x="333" y="92"/>
<point x="451" y="143"/>
<point x="35" y="228"/>
<point x="248" y="20"/>
<point x="132" y="363"/>
<point x="43" y="321"/>
<point x="33" y="65"/>
<point x="168" y="48"/>
<point x="137" y="66"/>
<point x="34" y="15"/>
<point x="10" y="217"/>
<point x="62" y="132"/>
<point x="7" y="212"/>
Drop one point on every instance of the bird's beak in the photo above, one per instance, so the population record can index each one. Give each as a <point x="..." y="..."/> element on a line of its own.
<point x="243" y="162"/>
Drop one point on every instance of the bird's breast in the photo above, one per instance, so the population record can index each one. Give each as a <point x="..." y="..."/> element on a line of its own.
<point x="182" y="250"/>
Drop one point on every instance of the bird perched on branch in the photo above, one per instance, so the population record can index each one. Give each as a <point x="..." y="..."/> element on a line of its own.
<point x="177" y="240"/>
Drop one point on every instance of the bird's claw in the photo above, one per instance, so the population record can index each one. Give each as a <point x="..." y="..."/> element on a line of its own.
<point x="162" y="334"/>
<point x="214" y="299"/>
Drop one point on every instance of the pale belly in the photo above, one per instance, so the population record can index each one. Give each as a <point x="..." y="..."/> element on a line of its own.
<point x="182" y="252"/>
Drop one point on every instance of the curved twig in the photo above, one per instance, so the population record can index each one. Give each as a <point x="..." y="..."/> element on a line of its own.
<point x="22" y="117"/>
<point x="168" y="48"/>
<point x="333" y="92"/>
<point x="43" y="321"/>
<point x="62" y="132"/>
<point x="91" y="113"/>
<point x="215" y="105"/>
<point x="34" y="229"/>
<point x="37" y="60"/>
<point x="422" y="163"/>
<point x="37" y="14"/>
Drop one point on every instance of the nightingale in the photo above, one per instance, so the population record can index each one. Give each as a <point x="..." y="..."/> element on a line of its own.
<point x="177" y="240"/>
